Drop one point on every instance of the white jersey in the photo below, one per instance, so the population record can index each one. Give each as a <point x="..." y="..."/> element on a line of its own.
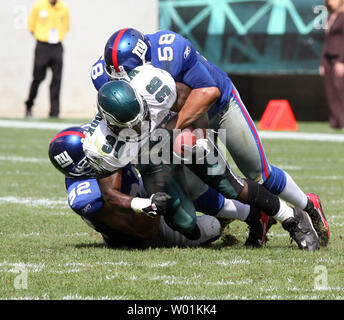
<point x="107" y="152"/>
<point x="159" y="90"/>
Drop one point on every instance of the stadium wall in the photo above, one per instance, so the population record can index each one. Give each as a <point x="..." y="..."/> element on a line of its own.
<point x="92" y="22"/>
<point x="305" y="93"/>
<point x="270" y="48"/>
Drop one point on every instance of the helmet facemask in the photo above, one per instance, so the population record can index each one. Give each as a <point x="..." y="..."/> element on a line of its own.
<point x="135" y="125"/>
<point x="114" y="75"/>
<point x="82" y="168"/>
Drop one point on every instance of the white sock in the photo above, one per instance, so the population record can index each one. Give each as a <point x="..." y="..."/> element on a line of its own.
<point x="233" y="209"/>
<point x="293" y="194"/>
<point x="284" y="212"/>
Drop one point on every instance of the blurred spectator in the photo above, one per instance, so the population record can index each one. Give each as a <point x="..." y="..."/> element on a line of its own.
<point x="49" y="23"/>
<point x="332" y="63"/>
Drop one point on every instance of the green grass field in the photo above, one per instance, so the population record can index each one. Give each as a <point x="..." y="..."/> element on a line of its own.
<point x="48" y="252"/>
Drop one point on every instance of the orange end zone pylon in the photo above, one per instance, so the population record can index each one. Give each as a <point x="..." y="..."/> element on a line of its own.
<point x="278" y="116"/>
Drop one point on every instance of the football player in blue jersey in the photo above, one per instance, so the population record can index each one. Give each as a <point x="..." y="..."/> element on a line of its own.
<point x="213" y="93"/>
<point x="116" y="137"/>
<point x="122" y="227"/>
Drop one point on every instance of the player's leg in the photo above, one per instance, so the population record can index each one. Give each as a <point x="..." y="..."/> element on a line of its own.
<point x="227" y="210"/>
<point x="246" y="149"/>
<point x="210" y="230"/>
<point x="181" y="213"/>
<point x="210" y="202"/>
<point x="215" y="172"/>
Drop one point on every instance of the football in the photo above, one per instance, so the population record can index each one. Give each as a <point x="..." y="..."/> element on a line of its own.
<point x="186" y="138"/>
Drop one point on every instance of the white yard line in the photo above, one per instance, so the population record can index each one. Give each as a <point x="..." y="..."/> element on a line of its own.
<point x="72" y="267"/>
<point x="24" y="159"/>
<point x="79" y="297"/>
<point x="274" y="135"/>
<point x="36" y="125"/>
<point x="35" y="202"/>
<point x="277" y="135"/>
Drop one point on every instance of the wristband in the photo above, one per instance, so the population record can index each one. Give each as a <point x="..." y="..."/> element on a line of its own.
<point x="137" y="204"/>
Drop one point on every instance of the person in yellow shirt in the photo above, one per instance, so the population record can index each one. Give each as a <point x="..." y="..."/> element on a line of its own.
<point x="48" y="22"/>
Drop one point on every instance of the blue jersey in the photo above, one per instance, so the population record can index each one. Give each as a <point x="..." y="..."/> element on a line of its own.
<point x="85" y="198"/>
<point x="98" y="74"/>
<point x="175" y="54"/>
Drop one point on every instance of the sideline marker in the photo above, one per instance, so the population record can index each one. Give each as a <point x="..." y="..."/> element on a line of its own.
<point x="278" y="116"/>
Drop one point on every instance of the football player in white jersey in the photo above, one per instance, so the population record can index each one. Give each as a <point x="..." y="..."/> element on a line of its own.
<point x="117" y="227"/>
<point x="119" y="138"/>
<point x="108" y="152"/>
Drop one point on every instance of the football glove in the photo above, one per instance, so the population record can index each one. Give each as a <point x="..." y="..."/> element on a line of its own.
<point x="156" y="205"/>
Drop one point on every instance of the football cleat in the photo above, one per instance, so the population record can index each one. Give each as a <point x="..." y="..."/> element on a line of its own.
<point x="319" y="220"/>
<point x="301" y="230"/>
<point x="259" y="224"/>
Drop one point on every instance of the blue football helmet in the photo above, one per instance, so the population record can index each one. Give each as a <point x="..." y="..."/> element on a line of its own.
<point x="67" y="155"/>
<point x="125" y="50"/>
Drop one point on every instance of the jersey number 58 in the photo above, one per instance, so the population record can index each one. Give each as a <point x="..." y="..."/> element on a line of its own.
<point x="165" y="53"/>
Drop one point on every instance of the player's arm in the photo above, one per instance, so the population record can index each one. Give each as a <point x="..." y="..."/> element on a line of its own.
<point x="204" y="91"/>
<point x="108" y="170"/>
<point x="183" y="92"/>
<point x="198" y="103"/>
<point x="114" y="199"/>
<point x="110" y="187"/>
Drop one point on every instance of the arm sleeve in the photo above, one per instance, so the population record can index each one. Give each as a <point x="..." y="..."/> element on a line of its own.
<point x="84" y="196"/>
<point x="32" y="18"/>
<point x="67" y="26"/>
<point x="198" y="76"/>
<point x="195" y="73"/>
<point x="98" y="74"/>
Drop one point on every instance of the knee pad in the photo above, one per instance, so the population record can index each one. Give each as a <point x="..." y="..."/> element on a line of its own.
<point x="276" y="181"/>
<point x="260" y="198"/>
<point x="210" y="228"/>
